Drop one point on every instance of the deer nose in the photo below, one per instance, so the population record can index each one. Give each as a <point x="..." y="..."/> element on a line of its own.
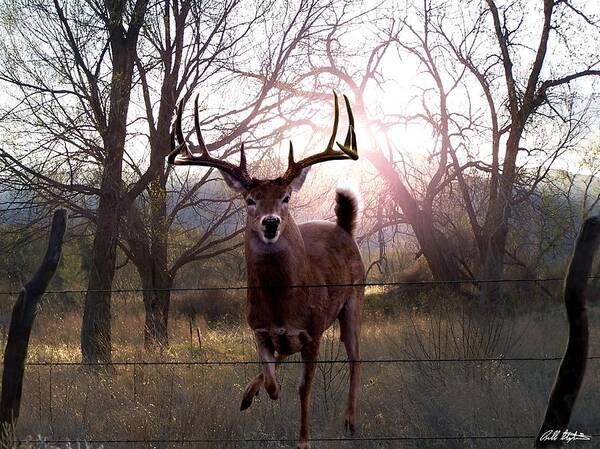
<point x="271" y="223"/>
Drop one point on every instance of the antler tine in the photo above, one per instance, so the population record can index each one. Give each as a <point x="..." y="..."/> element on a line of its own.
<point x="291" y="155"/>
<point x="348" y="149"/>
<point x="242" y="158"/>
<point x="182" y="155"/>
<point x="336" y="121"/>
<point x="349" y="146"/>
<point x="174" y="150"/>
<point x="178" y="131"/>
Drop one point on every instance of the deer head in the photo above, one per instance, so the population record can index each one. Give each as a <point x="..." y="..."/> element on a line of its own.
<point x="267" y="200"/>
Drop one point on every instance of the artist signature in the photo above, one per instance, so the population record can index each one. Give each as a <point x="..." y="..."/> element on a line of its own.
<point x="564" y="435"/>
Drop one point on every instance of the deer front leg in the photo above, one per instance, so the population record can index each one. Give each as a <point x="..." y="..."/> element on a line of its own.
<point x="254" y="386"/>
<point x="310" y="354"/>
<point x="251" y="391"/>
<point x="266" y="352"/>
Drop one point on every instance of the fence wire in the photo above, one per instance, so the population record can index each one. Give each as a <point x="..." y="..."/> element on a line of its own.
<point x="271" y="287"/>
<point x="293" y="440"/>
<point x="296" y="362"/>
<point x="215" y="363"/>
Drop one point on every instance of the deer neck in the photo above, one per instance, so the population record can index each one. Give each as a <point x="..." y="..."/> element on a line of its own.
<point x="277" y="264"/>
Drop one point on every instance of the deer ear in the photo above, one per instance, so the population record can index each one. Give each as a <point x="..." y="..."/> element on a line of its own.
<point x="233" y="183"/>
<point x="296" y="184"/>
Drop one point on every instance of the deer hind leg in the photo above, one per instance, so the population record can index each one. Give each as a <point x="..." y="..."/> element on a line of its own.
<point x="310" y="353"/>
<point x="254" y="385"/>
<point x="349" y="334"/>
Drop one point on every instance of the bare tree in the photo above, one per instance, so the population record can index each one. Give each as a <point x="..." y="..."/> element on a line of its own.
<point x="532" y="99"/>
<point x="181" y="53"/>
<point x="470" y="95"/>
<point x="82" y="80"/>
<point x="181" y="70"/>
<point x="113" y="201"/>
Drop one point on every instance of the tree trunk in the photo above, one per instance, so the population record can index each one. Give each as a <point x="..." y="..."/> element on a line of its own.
<point x="95" y="330"/>
<point x="433" y="243"/>
<point x="157" y="297"/>
<point x="21" y="322"/>
<point x="436" y="250"/>
<point x="96" y="344"/>
<point x="157" y="306"/>
<point x="495" y="229"/>
<point x="157" y="319"/>
<point x="494" y="236"/>
<point x="149" y="252"/>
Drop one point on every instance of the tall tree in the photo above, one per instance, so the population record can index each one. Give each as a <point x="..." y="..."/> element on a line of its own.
<point x="524" y="124"/>
<point x="74" y="92"/>
<point x="455" y="58"/>
<point x="181" y="54"/>
<point x="123" y="28"/>
<point x="186" y="57"/>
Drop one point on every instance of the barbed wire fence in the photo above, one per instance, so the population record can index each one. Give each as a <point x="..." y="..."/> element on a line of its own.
<point x="255" y="442"/>
<point x="220" y="363"/>
<point x="217" y="441"/>
<point x="474" y="282"/>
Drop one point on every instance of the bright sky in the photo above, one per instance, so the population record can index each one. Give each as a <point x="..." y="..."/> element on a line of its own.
<point x="399" y="95"/>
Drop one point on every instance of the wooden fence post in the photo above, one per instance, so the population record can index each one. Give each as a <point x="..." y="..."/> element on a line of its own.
<point x="21" y="321"/>
<point x="572" y="368"/>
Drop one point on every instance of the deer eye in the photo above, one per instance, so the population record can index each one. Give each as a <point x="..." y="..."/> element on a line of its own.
<point x="250" y="202"/>
<point x="286" y="199"/>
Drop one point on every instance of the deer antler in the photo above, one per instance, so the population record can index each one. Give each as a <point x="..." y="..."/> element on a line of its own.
<point x="181" y="154"/>
<point x="349" y="149"/>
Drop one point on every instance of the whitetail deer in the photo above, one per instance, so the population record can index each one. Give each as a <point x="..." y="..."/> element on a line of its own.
<point x="301" y="277"/>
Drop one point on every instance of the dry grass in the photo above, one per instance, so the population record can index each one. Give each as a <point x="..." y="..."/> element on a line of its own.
<point x="407" y="399"/>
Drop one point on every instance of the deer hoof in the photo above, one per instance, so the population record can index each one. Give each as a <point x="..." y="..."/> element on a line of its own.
<point x="247" y="400"/>
<point x="349" y="425"/>
<point x="251" y="392"/>
<point x="245" y="404"/>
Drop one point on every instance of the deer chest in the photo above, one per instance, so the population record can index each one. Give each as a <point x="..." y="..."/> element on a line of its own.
<point x="283" y="340"/>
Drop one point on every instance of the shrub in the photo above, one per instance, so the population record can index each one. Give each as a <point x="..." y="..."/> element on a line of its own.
<point x="216" y="306"/>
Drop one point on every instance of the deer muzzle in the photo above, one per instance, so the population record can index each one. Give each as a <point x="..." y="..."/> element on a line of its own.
<point x="270" y="227"/>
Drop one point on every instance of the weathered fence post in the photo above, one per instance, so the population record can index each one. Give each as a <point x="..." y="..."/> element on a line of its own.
<point x="572" y="368"/>
<point x="19" y="331"/>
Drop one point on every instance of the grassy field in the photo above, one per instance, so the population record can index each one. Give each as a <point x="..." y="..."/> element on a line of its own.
<point x="429" y="398"/>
